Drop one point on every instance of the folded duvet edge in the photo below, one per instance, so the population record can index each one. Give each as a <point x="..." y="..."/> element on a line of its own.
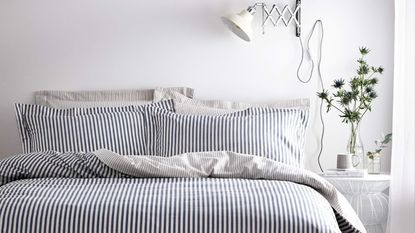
<point x="225" y="164"/>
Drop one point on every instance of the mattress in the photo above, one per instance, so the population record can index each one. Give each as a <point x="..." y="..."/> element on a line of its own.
<point x="100" y="192"/>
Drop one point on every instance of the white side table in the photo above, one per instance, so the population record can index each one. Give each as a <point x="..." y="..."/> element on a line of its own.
<point x="367" y="196"/>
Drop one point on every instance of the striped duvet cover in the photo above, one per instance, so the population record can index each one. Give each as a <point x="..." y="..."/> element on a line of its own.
<point x="97" y="192"/>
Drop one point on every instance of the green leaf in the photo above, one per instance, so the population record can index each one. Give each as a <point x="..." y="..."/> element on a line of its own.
<point x="387" y="138"/>
<point x="361" y="61"/>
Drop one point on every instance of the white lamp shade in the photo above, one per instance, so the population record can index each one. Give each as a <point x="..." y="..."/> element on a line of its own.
<point x="240" y="24"/>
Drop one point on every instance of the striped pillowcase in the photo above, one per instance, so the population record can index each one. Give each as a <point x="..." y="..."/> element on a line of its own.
<point x="275" y="133"/>
<point x="123" y="130"/>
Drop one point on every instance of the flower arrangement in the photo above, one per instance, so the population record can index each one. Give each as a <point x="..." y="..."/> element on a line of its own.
<point x="355" y="99"/>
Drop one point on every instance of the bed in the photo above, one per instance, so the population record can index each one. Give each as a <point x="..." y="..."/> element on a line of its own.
<point x="209" y="178"/>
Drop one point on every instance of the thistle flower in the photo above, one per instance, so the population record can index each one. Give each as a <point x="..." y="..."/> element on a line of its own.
<point x="363" y="50"/>
<point x="347" y="98"/>
<point x="349" y="94"/>
<point x="338" y="83"/>
<point x="354" y="83"/>
<point x="345" y="101"/>
<point x="373" y="95"/>
<point x="369" y="89"/>
<point x="380" y="69"/>
<point x="363" y="70"/>
<point x="373" y="81"/>
<point x="323" y="95"/>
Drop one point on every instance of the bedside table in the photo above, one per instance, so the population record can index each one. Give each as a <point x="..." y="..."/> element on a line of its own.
<point x="367" y="196"/>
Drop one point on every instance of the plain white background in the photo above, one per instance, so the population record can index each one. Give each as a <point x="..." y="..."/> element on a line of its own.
<point x="109" y="44"/>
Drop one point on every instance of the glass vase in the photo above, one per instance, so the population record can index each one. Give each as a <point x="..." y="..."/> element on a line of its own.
<point x="373" y="163"/>
<point x="355" y="145"/>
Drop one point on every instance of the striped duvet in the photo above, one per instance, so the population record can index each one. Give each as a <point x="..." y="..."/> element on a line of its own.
<point x="96" y="192"/>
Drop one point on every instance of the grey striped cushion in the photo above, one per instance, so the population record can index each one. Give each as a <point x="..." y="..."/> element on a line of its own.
<point x="120" y="129"/>
<point x="275" y="133"/>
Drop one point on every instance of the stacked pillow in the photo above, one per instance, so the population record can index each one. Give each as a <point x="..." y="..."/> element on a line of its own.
<point x="174" y="124"/>
<point x="84" y="121"/>
<point x="275" y="130"/>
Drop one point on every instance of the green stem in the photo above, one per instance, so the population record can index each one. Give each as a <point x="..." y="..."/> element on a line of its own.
<point x="338" y="109"/>
<point x="363" y="113"/>
<point x="352" y="141"/>
<point x="371" y="75"/>
<point x="353" y="137"/>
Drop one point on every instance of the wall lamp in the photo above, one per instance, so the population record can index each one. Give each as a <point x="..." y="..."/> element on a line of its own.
<point x="241" y="23"/>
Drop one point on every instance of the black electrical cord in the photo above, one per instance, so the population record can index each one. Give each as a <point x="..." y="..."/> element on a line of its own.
<point x="318" y="22"/>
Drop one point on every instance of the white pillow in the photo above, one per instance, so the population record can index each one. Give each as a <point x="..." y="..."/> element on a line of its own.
<point x="186" y="105"/>
<point x="101" y="98"/>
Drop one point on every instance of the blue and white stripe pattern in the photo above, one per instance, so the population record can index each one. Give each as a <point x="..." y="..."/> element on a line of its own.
<point x="163" y="205"/>
<point x="121" y="129"/>
<point x="275" y="133"/>
<point x="76" y="193"/>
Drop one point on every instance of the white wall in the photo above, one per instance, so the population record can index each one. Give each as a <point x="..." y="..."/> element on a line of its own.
<point x="109" y="44"/>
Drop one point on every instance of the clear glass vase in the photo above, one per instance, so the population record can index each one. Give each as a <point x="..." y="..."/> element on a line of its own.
<point x="373" y="163"/>
<point x="355" y="145"/>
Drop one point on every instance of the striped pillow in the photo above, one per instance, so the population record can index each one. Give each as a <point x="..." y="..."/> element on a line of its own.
<point x="275" y="133"/>
<point x="123" y="130"/>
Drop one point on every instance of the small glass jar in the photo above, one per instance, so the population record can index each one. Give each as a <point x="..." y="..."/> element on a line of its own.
<point x="373" y="163"/>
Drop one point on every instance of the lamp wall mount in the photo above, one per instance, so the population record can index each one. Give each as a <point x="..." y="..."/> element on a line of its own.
<point x="275" y="15"/>
<point x="279" y="15"/>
